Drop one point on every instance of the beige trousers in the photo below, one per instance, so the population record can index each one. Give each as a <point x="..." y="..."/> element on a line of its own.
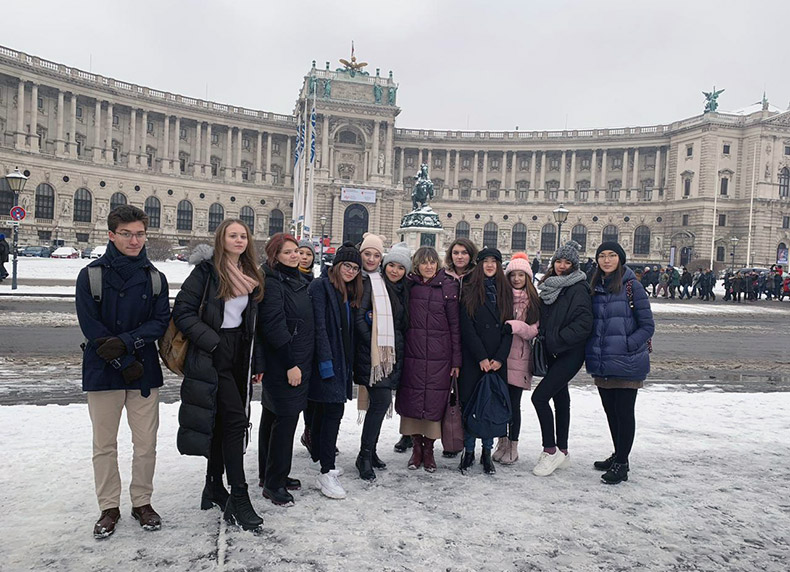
<point x="142" y="413"/>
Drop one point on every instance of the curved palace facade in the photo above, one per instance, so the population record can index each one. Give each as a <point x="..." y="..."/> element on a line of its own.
<point x="675" y="192"/>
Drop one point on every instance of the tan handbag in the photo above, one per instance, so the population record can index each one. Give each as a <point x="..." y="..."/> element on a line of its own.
<point x="173" y="345"/>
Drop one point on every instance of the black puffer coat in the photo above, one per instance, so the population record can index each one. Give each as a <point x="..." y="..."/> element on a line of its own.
<point x="199" y="388"/>
<point x="362" y="328"/>
<point x="568" y="322"/>
<point x="286" y="338"/>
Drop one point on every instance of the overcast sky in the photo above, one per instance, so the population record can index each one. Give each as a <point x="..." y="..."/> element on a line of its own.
<point x="461" y="64"/>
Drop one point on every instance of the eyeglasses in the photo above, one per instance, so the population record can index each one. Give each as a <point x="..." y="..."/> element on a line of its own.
<point x="610" y="256"/>
<point x="353" y="268"/>
<point x="126" y="235"/>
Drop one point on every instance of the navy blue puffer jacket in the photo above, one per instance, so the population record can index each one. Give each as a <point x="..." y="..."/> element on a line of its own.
<point x="617" y="347"/>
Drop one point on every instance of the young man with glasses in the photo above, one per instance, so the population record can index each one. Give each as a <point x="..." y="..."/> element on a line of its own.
<point x="123" y="309"/>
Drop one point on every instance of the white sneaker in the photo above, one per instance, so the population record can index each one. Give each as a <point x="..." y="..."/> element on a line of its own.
<point x="329" y="486"/>
<point x="566" y="462"/>
<point x="547" y="463"/>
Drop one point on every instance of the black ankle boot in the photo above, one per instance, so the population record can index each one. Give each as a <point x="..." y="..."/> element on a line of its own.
<point x="365" y="466"/>
<point x="617" y="473"/>
<point x="467" y="461"/>
<point x="487" y="462"/>
<point x="293" y="484"/>
<point x="239" y="509"/>
<point x="214" y="493"/>
<point x="604" y="465"/>
<point x="403" y="444"/>
<point x="376" y="462"/>
<point x="280" y="497"/>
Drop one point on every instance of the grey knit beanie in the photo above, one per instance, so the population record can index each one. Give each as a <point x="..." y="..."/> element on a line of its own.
<point x="569" y="251"/>
<point x="401" y="254"/>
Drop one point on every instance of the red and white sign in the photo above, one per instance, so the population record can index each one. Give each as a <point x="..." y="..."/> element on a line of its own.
<point x="17" y="213"/>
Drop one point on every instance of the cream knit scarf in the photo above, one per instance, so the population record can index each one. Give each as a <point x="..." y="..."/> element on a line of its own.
<point x="240" y="283"/>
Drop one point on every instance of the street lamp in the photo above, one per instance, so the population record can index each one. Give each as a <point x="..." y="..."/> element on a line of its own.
<point x="323" y="224"/>
<point x="734" y="242"/>
<point x="560" y="216"/>
<point x="16" y="181"/>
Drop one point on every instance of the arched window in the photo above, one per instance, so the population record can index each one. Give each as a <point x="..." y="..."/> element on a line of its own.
<point x="216" y="213"/>
<point x="609" y="234"/>
<point x="548" y="238"/>
<point x="83" y="203"/>
<point x="685" y="255"/>
<point x="117" y="200"/>
<point x="462" y="229"/>
<point x="784" y="183"/>
<point x="6" y="197"/>
<point x="355" y="223"/>
<point x="184" y="215"/>
<point x="248" y="216"/>
<point x="45" y="201"/>
<point x="642" y="240"/>
<point x="275" y="221"/>
<point x="348" y="137"/>
<point x="579" y="234"/>
<point x="153" y="209"/>
<point x="518" y="238"/>
<point x="490" y="235"/>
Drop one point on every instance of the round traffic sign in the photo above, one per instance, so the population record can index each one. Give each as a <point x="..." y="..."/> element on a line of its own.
<point x="18" y="213"/>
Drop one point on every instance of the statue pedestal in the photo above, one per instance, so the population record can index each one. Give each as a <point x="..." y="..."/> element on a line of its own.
<point x="422" y="228"/>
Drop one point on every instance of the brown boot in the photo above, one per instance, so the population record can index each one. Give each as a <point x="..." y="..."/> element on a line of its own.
<point x="428" y="460"/>
<point x="147" y="517"/>
<point x="416" y="452"/>
<point x="105" y="526"/>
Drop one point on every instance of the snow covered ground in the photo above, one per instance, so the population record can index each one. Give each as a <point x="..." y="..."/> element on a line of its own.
<point x="708" y="492"/>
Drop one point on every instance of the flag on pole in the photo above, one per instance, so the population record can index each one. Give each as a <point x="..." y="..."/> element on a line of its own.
<point x="297" y="199"/>
<point x="308" y="209"/>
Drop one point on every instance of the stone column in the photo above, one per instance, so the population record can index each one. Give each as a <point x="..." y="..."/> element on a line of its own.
<point x="656" y="170"/>
<point x="543" y="171"/>
<point x="239" y="141"/>
<point x="325" y="145"/>
<point x="429" y="161"/>
<point x="474" y="172"/>
<point x="366" y="166"/>
<point x="635" y="174"/>
<point x="72" y="146"/>
<point x="97" y="133"/>
<point x="21" y="134"/>
<point x="289" y="162"/>
<point x="197" y="163"/>
<point x="133" y="138"/>
<point x="268" y="166"/>
<point x="533" y="170"/>
<point x="34" y="142"/>
<point x="374" y="164"/>
<point x="388" y="152"/>
<point x="593" y="168"/>
<point x="259" y="158"/>
<point x="59" y="136"/>
<point x="166" y="153"/>
<point x="144" y="140"/>
<point x="228" y="171"/>
<point x="624" y="180"/>
<point x="485" y="170"/>
<point x="513" y="167"/>
<point x="457" y="183"/>
<point x="447" y="182"/>
<point x="604" y="168"/>
<point x="572" y="185"/>
<point x="209" y="140"/>
<point x="402" y="164"/>
<point x="562" y="171"/>
<point x="177" y="144"/>
<point x="108" y="138"/>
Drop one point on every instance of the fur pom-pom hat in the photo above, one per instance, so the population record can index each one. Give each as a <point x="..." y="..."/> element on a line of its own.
<point x="519" y="261"/>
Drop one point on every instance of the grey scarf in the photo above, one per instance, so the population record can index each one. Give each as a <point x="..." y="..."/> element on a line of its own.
<point x="550" y="290"/>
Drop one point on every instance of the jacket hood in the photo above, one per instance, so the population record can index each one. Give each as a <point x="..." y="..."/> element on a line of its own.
<point x="201" y="253"/>
<point x="628" y="275"/>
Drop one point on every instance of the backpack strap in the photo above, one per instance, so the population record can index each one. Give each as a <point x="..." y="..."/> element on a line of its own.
<point x="95" y="279"/>
<point x="629" y="291"/>
<point x="156" y="281"/>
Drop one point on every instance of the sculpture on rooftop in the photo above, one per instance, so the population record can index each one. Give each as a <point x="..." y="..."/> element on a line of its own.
<point x="711" y="99"/>
<point x="352" y="66"/>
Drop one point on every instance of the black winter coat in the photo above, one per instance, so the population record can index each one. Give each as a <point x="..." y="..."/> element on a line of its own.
<point x="285" y="338"/>
<point x="199" y="388"/>
<point x="567" y="323"/>
<point x="362" y="329"/>
<point x="5" y="250"/>
<point x="481" y="338"/>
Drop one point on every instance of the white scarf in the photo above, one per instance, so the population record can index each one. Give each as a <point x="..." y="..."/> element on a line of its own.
<point x="382" y="331"/>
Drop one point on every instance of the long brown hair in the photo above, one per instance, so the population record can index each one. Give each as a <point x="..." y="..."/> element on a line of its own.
<point x="350" y="290"/>
<point x="248" y="260"/>
<point x="474" y="294"/>
<point x="533" y="307"/>
<point x="615" y="284"/>
<point x="471" y="249"/>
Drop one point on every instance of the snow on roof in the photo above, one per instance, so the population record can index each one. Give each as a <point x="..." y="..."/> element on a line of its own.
<point x="753" y="108"/>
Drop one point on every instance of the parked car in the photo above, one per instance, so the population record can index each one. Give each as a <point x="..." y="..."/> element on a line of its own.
<point x="38" y="251"/>
<point x="86" y="252"/>
<point x="98" y="251"/>
<point x="66" y="252"/>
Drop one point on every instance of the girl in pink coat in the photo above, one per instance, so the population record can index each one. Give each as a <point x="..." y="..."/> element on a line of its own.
<point x="526" y="312"/>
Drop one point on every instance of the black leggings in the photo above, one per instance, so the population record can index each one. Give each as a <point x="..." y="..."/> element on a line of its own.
<point x="323" y="433"/>
<point x="380" y="399"/>
<point x="275" y="448"/>
<point x="514" y="427"/>
<point x="619" y="407"/>
<point x="554" y="386"/>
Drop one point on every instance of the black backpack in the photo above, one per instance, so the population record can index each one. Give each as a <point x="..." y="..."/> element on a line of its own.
<point x="488" y="412"/>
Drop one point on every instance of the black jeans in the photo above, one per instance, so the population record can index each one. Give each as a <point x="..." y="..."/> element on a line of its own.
<point x="380" y="399"/>
<point x="275" y="448"/>
<point x="619" y="407"/>
<point x="554" y="386"/>
<point x="514" y="427"/>
<point x="323" y="433"/>
<point x="230" y="421"/>
<point x="308" y="415"/>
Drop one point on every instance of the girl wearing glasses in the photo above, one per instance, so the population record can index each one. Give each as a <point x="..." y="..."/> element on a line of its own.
<point x="432" y="355"/>
<point x="336" y="295"/>
<point x="216" y="310"/>
<point x="617" y="353"/>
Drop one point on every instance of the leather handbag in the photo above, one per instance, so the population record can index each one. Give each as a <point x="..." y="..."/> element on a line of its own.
<point x="540" y="365"/>
<point x="173" y="345"/>
<point x="452" y="427"/>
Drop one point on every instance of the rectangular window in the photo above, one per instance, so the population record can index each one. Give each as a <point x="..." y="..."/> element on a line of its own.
<point x="78" y="113"/>
<point x="689" y="150"/>
<point x="554" y="164"/>
<point x="786" y="222"/>
<point x="150" y="127"/>
<point x="685" y="220"/>
<point x="245" y="174"/>
<point x="183" y="133"/>
<point x="115" y="154"/>
<point x="182" y="164"/>
<point x="585" y="163"/>
<point x="150" y="160"/>
<point x="617" y="163"/>
<point x="79" y="148"/>
<point x="524" y="164"/>
<point x="116" y="120"/>
<point x="276" y="147"/>
<point x="214" y="167"/>
<point x="722" y="220"/>
<point x="215" y="139"/>
<point x="41" y="103"/>
<point x="410" y="161"/>
<point x="83" y="237"/>
<point x="437" y="162"/>
<point x="45" y="235"/>
<point x="495" y="164"/>
<point x="521" y="194"/>
<point x="245" y="143"/>
<point x="650" y="161"/>
<point x="719" y="254"/>
<point x="726" y="149"/>
<point x="686" y="187"/>
<point x="787" y="149"/>
<point x="725" y="183"/>
<point x="466" y="163"/>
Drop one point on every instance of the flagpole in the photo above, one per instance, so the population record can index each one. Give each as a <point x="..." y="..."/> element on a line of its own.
<point x="302" y="172"/>
<point x="295" y="159"/>
<point x="308" y="209"/>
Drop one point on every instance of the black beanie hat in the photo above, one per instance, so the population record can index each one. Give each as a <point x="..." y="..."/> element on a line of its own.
<point x="614" y="247"/>
<point x="348" y="253"/>
<point x="488" y="251"/>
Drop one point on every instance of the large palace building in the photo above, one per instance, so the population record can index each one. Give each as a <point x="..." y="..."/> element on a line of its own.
<point x="668" y="193"/>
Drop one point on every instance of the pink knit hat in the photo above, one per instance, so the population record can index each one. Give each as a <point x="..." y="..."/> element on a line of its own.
<point x="519" y="261"/>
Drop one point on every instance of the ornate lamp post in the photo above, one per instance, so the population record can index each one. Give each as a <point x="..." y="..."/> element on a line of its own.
<point x="16" y="181"/>
<point x="323" y="224"/>
<point x="734" y="240"/>
<point x="560" y="216"/>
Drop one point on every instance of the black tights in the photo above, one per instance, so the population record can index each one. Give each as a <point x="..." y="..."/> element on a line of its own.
<point x="514" y="427"/>
<point x="379" y="402"/>
<point x="323" y="433"/>
<point x="619" y="407"/>
<point x="554" y="386"/>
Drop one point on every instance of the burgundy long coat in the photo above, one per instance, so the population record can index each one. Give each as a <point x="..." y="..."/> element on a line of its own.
<point x="433" y="347"/>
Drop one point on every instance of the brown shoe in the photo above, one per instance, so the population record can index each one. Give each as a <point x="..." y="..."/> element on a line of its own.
<point x="105" y="526"/>
<point x="147" y="517"/>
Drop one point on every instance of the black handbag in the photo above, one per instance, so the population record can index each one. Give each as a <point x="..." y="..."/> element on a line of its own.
<point x="540" y="365"/>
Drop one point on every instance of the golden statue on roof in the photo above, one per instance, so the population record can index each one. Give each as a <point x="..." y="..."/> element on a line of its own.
<point x="352" y="67"/>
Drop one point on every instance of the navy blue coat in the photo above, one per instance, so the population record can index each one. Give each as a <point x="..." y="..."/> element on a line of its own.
<point x="129" y="311"/>
<point x="617" y="347"/>
<point x="329" y="345"/>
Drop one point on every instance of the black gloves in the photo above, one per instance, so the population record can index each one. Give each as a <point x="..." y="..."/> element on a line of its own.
<point x="133" y="372"/>
<point x="110" y="348"/>
<point x="507" y="329"/>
